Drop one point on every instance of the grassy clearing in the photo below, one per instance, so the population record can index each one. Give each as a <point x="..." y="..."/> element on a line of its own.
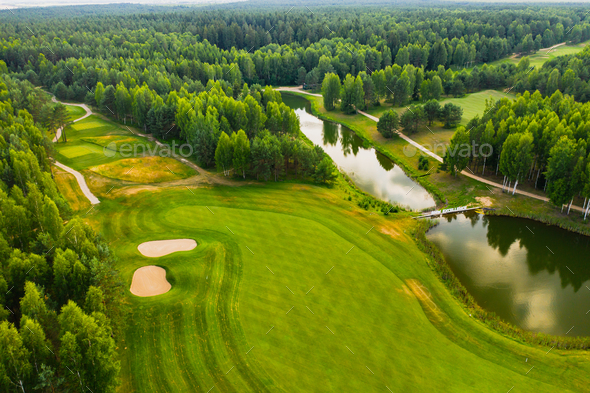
<point x="145" y="169"/>
<point x="226" y="321"/>
<point x="544" y="55"/>
<point x="75" y="112"/>
<point x="435" y="134"/>
<point x="474" y="104"/>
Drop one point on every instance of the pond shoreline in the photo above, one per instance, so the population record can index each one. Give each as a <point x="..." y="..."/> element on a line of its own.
<point x="439" y="197"/>
<point x="445" y="274"/>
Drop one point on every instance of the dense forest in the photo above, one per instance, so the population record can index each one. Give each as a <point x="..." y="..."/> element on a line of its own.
<point x="531" y="136"/>
<point x="59" y="292"/>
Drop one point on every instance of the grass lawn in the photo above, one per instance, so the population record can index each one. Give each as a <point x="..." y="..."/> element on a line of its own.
<point x="544" y="55"/>
<point x="275" y="298"/>
<point x="98" y="145"/>
<point x="435" y="134"/>
<point x="475" y="103"/>
<point x="152" y="169"/>
<point x="75" y="112"/>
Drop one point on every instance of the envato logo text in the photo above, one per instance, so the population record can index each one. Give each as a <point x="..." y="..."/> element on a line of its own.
<point x="475" y="150"/>
<point x="131" y="150"/>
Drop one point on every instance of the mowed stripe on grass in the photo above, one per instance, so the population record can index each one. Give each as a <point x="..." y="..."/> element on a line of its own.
<point x="241" y="317"/>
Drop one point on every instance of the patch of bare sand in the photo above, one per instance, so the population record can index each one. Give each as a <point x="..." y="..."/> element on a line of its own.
<point x="159" y="248"/>
<point x="485" y="201"/>
<point x="149" y="281"/>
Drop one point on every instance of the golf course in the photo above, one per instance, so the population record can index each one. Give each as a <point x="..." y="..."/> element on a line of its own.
<point x="267" y="197"/>
<point x="292" y="284"/>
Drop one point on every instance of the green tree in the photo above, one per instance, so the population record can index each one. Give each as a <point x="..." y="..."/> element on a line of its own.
<point x="458" y="153"/>
<point x="224" y="154"/>
<point x="560" y="167"/>
<point x="15" y="367"/>
<point x="431" y="111"/>
<point x="349" y="95"/>
<point x="412" y="118"/>
<point x="98" y="93"/>
<point x="241" y="153"/>
<point x="552" y="82"/>
<point x="402" y="90"/>
<point x="450" y="114"/>
<point x="331" y="90"/>
<point x="107" y="102"/>
<point x="487" y="138"/>
<point x="88" y="349"/>
<point x="61" y="117"/>
<point x="516" y="157"/>
<point x="122" y="102"/>
<point x="34" y="341"/>
<point x="388" y="123"/>
<point x="325" y="171"/>
<point x="436" y="88"/>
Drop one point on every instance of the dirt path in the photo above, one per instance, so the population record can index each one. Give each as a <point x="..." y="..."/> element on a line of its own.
<point x="435" y="156"/>
<point x="552" y="47"/>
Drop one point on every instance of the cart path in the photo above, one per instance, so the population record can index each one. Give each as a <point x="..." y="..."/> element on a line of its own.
<point x="79" y="177"/>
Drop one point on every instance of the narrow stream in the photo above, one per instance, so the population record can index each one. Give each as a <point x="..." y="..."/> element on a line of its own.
<point x="370" y="170"/>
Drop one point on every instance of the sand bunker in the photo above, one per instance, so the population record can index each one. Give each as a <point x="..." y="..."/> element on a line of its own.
<point x="159" y="248"/>
<point x="149" y="281"/>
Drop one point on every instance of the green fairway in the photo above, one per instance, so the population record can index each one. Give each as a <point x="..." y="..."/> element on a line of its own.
<point x="287" y="291"/>
<point x="542" y="56"/>
<point x="75" y="112"/>
<point x="99" y="145"/>
<point x="152" y="169"/>
<point x="475" y="104"/>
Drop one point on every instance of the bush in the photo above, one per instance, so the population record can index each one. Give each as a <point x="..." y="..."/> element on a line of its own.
<point x="423" y="163"/>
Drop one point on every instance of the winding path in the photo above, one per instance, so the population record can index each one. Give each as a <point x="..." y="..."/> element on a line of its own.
<point x="79" y="177"/>
<point x="431" y="154"/>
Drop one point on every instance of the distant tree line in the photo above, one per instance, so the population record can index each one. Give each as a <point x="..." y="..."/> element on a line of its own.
<point x="170" y="51"/>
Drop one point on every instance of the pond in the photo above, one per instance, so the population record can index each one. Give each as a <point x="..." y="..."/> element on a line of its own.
<point x="532" y="275"/>
<point x="370" y="170"/>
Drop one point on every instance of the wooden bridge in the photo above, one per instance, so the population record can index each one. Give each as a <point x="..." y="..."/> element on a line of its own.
<point x="438" y="213"/>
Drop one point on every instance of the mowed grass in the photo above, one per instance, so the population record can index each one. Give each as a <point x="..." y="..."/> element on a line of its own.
<point x="475" y="103"/>
<point x="97" y="144"/>
<point x="544" y="55"/>
<point x="435" y="135"/>
<point x="75" y="112"/>
<point x="287" y="291"/>
<point x="153" y="169"/>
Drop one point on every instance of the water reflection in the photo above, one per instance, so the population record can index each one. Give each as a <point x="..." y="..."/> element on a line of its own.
<point x="370" y="170"/>
<point x="530" y="274"/>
